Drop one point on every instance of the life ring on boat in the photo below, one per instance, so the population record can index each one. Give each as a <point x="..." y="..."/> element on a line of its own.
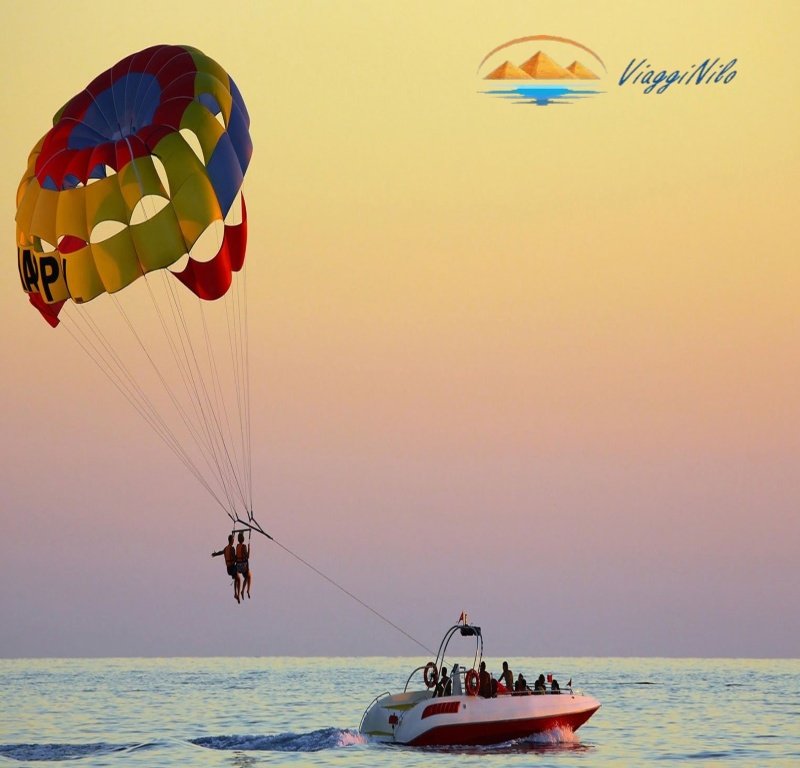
<point x="430" y="675"/>
<point x="471" y="682"/>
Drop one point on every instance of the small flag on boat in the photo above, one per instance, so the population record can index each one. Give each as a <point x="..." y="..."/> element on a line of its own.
<point x="463" y="618"/>
<point x="569" y="684"/>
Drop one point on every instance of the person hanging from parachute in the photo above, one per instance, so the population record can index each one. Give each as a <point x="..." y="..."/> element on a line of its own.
<point x="243" y="565"/>
<point x="237" y="565"/>
<point x="231" y="568"/>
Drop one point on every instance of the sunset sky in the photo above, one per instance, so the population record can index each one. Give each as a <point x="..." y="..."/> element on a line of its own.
<point x="538" y="363"/>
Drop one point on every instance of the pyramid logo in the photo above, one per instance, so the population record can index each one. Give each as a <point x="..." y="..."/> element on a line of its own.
<point x="540" y="79"/>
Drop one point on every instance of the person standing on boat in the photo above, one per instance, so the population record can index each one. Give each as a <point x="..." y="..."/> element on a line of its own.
<point x="445" y="685"/>
<point x="507" y="677"/>
<point x="230" y="564"/>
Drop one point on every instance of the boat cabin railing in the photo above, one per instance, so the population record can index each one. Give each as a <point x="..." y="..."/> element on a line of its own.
<point x="413" y="672"/>
<point x="464" y="630"/>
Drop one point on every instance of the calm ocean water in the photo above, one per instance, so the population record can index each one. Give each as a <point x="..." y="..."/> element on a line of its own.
<point x="296" y="711"/>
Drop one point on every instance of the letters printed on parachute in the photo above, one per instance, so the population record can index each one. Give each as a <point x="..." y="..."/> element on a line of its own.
<point x="114" y="189"/>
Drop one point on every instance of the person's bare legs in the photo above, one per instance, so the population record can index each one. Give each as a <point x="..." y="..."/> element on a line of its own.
<point x="247" y="580"/>
<point x="236" y="587"/>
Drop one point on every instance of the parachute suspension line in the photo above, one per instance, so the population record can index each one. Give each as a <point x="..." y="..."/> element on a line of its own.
<point x="239" y="471"/>
<point x="244" y="384"/>
<point x="125" y="380"/>
<point x="222" y="405"/>
<point x="248" y="423"/>
<point x="145" y="409"/>
<point x="234" y="373"/>
<point x="186" y="420"/>
<point x="216" y="381"/>
<point x="124" y="374"/>
<point x="237" y="358"/>
<point x="226" y="464"/>
<point x="207" y="445"/>
<point x="234" y="345"/>
<point x="120" y="378"/>
<point x="214" y="428"/>
<point x="200" y="400"/>
<point x="253" y="525"/>
<point x="181" y="411"/>
<point x="242" y="468"/>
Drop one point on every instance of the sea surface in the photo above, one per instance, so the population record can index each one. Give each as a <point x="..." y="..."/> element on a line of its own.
<point x="306" y="711"/>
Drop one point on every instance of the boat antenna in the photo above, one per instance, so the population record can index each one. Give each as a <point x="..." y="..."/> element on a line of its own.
<point x="252" y="524"/>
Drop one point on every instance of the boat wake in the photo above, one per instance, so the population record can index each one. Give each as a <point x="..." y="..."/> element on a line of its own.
<point x="315" y="741"/>
<point x="33" y="753"/>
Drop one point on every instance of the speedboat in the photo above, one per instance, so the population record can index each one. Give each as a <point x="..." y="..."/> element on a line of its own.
<point x="468" y="710"/>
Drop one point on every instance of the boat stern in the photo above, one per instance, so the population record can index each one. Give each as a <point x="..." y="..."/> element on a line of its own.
<point x="383" y="715"/>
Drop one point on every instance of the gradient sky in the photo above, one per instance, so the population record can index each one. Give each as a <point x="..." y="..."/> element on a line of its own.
<point x="541" y="364"/>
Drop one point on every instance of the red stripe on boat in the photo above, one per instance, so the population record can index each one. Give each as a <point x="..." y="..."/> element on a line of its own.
<point x="442" y="708"/>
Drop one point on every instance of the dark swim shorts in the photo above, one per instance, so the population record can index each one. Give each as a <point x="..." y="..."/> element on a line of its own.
<point x="232" y="570"/>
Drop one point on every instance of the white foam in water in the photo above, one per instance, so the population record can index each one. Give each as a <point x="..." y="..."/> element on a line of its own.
<point x="351" y="738"/>
<point x="555" y="736"/>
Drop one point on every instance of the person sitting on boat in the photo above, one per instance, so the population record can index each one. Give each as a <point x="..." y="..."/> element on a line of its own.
<point x="445" y="685"/>
<point x="230" y="565"/>
<point x="484" y="682"/>
<point x="540" y="686"/>
<point x="521" y="685"/>
<point x="555" y="687"/>
<point x="243" y="564"/>
<point x="507" y="678"/>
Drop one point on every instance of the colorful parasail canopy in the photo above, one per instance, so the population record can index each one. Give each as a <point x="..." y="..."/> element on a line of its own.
<point x="141" y="171"/>
<point x="140" y="177"/>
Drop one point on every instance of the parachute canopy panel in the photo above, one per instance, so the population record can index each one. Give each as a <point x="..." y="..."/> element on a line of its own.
<point x="136" y="168"/>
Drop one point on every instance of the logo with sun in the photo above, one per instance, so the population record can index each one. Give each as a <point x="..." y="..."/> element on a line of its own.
<point x="542" y="70"/>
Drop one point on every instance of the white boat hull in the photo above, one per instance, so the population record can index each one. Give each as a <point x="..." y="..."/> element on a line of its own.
<point x="417" y="719"/>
